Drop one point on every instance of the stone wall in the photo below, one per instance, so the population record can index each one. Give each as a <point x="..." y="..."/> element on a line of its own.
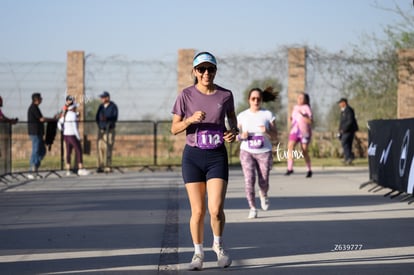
<point x="75" y="81"/>
<point x="406" y="84"/>
<point x="296" y="78"/>
<point x="184" y="67"/>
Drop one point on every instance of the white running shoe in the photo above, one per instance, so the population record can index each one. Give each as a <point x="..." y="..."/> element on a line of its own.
<point x="264" y="202"/>
<point x="252" y="213"/>
<point x="223" y="259"/>
<point x="196" y="262"/>
<point x="68" y="173"/>
<point x="83" y="172"/>
<point x="31" y="176"/>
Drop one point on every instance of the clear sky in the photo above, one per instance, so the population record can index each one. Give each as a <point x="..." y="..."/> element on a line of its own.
<point x="44" y="30"/>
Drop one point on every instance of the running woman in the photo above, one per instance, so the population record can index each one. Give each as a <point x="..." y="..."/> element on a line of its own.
<point x="200" y="110"/>
<point x="258" y="129"/>
<point x="300" y="132"/>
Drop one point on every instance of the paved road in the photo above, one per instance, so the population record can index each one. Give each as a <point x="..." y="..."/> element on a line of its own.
<point x="137" y="223"/>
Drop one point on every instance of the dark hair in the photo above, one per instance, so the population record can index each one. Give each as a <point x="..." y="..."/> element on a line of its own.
<point x="306" y="99"/>
<point x="266" y="95"/>
<point x="36" y="96"/>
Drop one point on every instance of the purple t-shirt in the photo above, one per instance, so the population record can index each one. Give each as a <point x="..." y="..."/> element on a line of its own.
<point x="215" y="105"/>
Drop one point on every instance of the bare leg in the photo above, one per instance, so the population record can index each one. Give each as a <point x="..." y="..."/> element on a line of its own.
<point x="197" y="196"/>
<point x="305" y="152"/>
<point x="216" y="189"/>
<point x="291" y="147"/>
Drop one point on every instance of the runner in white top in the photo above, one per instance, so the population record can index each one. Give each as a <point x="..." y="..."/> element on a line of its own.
<point x="258" y="129"/>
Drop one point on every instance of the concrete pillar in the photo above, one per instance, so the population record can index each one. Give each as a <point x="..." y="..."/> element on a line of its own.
<point x="405" y="84"/>
<point x="184" y="67"/>
<point x="296" y="77"/>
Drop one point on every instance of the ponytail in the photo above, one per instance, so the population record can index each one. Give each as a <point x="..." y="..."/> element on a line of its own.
<point x="269" y="95"/>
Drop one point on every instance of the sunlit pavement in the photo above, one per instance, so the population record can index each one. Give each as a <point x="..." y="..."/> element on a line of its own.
<point x="137" y="223"/>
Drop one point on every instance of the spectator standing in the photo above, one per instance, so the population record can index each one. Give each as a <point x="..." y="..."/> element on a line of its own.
<point x="36" y="132"/>
<point x="106" y="118"/>
<point x="3" y="117"/>
<point x="68" y="123"/>
<point x="348" y="125"/>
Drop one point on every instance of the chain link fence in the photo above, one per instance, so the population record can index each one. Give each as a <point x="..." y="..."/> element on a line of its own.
<point x="145" y="91"/>
<point x="138" y="144"/>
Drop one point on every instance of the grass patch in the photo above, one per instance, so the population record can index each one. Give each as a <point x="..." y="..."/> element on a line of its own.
<point x="90" y="162"/>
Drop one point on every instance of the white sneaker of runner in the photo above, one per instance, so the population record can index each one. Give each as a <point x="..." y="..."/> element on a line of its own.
<point x="223" y="259"/>
<point x="264" y="202"/>
<point x="197" y="262"/>
<point x="252" y="213"/>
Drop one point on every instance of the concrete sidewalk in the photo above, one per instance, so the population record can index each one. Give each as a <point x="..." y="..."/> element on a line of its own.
<point x="137" y="223"/>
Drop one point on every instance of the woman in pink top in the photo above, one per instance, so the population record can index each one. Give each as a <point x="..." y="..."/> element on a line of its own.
<point x="300" y="132"/>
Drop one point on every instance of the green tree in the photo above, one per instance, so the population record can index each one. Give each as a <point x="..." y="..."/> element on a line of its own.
<point x="91" y="107"/>
<point x="369" y="75"/>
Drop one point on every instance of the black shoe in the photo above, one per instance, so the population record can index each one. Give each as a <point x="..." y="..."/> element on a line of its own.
<point x="288" y="172"/>
<point x="309" y="174"/>
<point x="99" y="170"/>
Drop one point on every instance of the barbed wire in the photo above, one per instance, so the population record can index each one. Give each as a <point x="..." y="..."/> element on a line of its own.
<point x="146" y="89"/>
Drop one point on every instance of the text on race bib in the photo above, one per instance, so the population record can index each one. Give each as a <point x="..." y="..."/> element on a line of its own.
<point x="209" y="139"/>
<point x="255" y="142"/>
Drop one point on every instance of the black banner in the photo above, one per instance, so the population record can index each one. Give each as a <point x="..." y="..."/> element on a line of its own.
<point x="391" y="153"/>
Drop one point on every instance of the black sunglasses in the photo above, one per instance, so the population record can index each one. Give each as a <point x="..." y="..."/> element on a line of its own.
<point x="210" y="70"/>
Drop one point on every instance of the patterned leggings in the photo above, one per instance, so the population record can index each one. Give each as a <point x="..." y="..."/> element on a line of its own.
<point x="261" y="162"/>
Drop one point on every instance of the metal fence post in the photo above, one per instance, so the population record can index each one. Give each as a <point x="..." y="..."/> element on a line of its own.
<point x="155" y="123"/>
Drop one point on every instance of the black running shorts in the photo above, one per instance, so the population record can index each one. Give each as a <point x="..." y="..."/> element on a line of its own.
<point x="200" y="165"/>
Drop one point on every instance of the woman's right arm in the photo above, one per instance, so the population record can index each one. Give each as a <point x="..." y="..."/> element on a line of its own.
<point x="179" y="124"/>
<point x="60" y="124"/>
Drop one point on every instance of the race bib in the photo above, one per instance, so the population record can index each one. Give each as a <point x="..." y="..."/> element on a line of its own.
<point x="209" y="139"/>
<point x="255" y="142"/>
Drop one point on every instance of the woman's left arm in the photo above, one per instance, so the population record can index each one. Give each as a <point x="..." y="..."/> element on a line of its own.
<point x="230" y="135"/>
<point x="272" y="131"/>
<point x="307" y="116"/>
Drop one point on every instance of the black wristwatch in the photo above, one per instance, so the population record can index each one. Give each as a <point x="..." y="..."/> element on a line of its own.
<point x="235" y="130"/>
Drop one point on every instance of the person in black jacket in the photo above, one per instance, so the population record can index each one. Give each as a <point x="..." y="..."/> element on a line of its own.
<point x="36" y="132"/>
<point x="106" y="118"/>
<point x="347" y="128"/>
